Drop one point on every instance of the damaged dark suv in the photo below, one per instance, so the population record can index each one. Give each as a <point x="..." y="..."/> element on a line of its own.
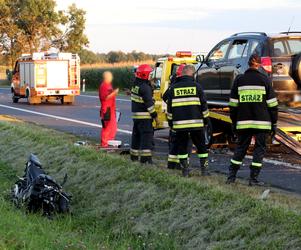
<point x="281" y="61"/>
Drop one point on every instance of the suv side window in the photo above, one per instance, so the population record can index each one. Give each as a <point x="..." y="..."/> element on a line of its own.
<point x="158" y="75"/>
<point x="255" y="47"/>
<point x="279" y="48"/>
<point x="237" y="49"/>
<point x="219" y="52"/>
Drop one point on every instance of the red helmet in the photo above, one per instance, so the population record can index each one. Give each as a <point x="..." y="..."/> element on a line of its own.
<point x="180" y="69"/>
<point x="143" y="71"/>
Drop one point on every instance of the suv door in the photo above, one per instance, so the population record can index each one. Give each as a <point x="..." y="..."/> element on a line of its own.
<point x="234" y="64"/>
<point x="209" y="74"/>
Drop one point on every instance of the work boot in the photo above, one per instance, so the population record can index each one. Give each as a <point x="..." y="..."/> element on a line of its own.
<point x="254" y="173"/>
<point x="146" y="160"/>
<point x="134" y="158"/>
<point x="174" y="165"/>
<point x="185" y="168"/>
<point x="233" y="169"/>
<point x="204" y="167"/>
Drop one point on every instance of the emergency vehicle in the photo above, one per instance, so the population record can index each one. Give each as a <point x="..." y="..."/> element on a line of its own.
<point x="46" y="76"/>
<point x="165" y="68"/>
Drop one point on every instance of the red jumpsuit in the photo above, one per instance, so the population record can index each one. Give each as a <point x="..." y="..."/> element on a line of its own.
<point x="108" y="104"/>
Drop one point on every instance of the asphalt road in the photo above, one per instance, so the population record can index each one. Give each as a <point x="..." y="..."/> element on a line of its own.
<point x="83" y="119"/>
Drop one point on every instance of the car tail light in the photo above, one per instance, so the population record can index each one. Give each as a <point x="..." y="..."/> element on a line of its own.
<point x="266" y="63"/>
<point x="184" y="54"/>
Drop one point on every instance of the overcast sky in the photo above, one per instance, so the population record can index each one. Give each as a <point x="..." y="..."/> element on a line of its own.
<point x="165" y="26"/>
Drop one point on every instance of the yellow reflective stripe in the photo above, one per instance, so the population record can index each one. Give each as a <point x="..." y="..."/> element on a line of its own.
<point x="180" y="104"/>
<point x="186" y="99"/>
<point x="151" y="109"/>
<point x="272" y="103"/>
<point x="236" y="162"/>
<point x="183" y="156"/>
<point x="254" y="126"/>
<point x="134" y="152"/>
<point x="169" y="116"/>
<point x="173" y="158"/>
<point x="251" y="92"/>
<point x="136" y="98"/>
<point x="256" y="164"/>
<point x="146" y="152"/>
<point x="188" y="121"/>
<point x="254" y="122"/>
<point x="141" y="115"/>
<point x="205" y="155"/>
<point x="206" y="113"/>
<point x="192" y="125"/>
<point x="233" y="102"/>
<point x="257" y="87"/>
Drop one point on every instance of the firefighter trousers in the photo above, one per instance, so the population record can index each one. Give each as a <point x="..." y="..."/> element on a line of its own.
<point x="244" y="140"/>
<point x="198" y="139"/>
<point x="142" y="140"/>
<point x="173" y="160"/>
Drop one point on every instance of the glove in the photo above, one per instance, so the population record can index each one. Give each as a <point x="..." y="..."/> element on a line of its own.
<point x="274" y="130"/>
<point x="206" y="121"/>
<point x="170" y="123"/>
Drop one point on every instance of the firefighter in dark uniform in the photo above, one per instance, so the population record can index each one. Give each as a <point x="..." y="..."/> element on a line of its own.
<point x="143" y="113"/>
<point x="254" y="113"/>
<point x="173" y="160"/>
<point x="188" y="112"/>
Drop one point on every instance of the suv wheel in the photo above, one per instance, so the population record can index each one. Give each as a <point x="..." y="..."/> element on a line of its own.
<point x="296" y="69"/>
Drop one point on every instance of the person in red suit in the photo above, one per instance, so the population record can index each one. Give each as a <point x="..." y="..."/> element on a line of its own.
<point x="107" y="97"/>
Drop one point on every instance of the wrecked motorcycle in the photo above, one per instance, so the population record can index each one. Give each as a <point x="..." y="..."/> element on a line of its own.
<point x="37" y="191"/>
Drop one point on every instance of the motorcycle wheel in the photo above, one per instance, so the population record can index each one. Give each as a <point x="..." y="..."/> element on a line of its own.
<point x="64" y="206"/>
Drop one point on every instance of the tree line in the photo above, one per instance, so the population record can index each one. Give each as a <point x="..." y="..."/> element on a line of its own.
<point x="89" y="57"/>
<point x="27" y="26"/>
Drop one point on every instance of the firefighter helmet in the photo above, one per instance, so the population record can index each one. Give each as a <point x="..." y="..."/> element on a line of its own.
<point x="143" y="71"/>
<point x="179" y="70"/>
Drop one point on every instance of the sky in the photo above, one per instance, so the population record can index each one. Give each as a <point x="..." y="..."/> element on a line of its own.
<point x="166" y="26"/>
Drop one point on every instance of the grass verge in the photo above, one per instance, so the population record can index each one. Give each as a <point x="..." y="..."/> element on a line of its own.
<point x="120" y="205"/>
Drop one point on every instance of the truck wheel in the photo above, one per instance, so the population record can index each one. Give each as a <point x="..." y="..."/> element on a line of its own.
<point x="15" y="98"/>
<point x="296" y="69"/>
<point x="67" y="100"/>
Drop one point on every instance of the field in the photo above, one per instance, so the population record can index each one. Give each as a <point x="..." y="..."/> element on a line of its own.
<point x="123" y="74"/>
<point x="120" y="205"/>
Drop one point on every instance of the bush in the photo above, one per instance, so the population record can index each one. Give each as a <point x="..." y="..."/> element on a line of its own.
<point x="123" y="77"/>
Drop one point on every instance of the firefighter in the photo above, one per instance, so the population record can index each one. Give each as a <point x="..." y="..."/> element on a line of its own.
<point x="188" y="112"/>
<point x="254" y="113"/>
<point x="173" y="160"/>
<point x="107" y="97"/>
<point x="143" y="111"/>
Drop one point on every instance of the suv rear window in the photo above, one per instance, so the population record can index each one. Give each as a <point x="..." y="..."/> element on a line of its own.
<point x="294" y="45"/>
<point x="286" y="47"/>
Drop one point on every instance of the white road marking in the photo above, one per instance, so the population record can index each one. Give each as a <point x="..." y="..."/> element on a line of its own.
<point x="117" y="99"/>
<point x="63" y="118"/>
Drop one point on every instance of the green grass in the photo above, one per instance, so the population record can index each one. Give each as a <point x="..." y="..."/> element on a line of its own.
<point x="120" y="205"/>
